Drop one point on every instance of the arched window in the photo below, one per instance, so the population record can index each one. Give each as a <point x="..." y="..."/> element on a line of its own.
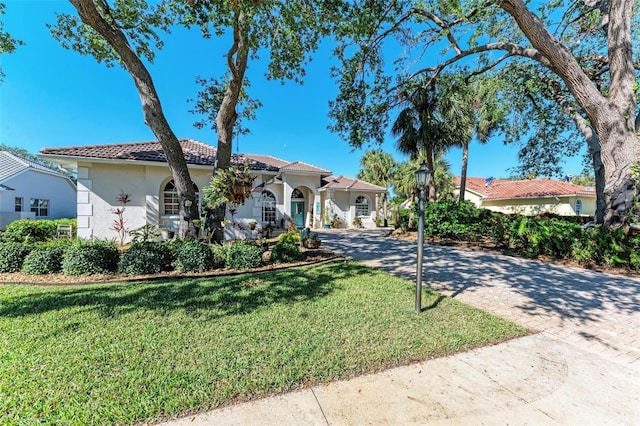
<point x="268" y="207"/>
<point x="170" y="201"/>
<point x="578" y="207"/>
<point x="297" y="194"/>
<point x="362" y="206"/>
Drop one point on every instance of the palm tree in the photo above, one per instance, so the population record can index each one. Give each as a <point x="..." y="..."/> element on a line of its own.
<point x="377" y="168"/>
<point x="404" y="179"/>
<point x="428" y="125"/>
<point x="473" y="109"/>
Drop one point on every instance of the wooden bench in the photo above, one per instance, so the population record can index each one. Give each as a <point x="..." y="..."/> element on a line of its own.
<point x="64" y="231"/>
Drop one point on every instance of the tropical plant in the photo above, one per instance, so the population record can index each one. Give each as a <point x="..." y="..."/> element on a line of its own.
<point x="232" y="185"/>
<point x="119" y="224"/>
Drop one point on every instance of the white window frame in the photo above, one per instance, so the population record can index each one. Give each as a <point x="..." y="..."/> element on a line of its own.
<point x="39" y="206"/>
<point x="269" y="206"/>
<point x="173" y="201"/>
<point x="578" y="206"/>
<point x="19" y="204"/>
<point x="359" y="208"/>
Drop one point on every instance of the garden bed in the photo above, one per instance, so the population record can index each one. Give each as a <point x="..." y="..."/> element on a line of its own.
<point x="310" y="257"/>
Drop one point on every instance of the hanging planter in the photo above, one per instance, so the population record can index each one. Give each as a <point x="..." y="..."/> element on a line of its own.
<point x="232" y="185"/>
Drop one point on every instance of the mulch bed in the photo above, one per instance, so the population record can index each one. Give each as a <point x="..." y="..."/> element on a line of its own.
<point x="310" y="257"/>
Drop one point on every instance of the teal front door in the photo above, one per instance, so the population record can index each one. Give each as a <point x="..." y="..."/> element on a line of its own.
<point x="297" y="213"/>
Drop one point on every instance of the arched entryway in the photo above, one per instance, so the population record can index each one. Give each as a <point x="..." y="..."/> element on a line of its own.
<point x="298" y="208"/>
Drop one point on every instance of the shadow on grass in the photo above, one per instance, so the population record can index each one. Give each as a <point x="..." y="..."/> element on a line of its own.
<point x="211" y="297"/>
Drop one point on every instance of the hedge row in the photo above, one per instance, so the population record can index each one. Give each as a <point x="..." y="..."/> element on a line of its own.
<point x="82" y="257"/>
<point x="549" y="235"/>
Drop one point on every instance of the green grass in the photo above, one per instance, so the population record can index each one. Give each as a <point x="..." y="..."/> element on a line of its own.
<point x="124" y="353"/>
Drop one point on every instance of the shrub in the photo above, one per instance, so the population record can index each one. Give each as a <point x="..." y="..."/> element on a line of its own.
<point x="148" y="257"/>
<point x="220" y="254"/>
<point x="46" y="259"/>
<point x="146" y="232"/>
<point x="449" y="219"/>
<point x="12" y="256"/>
<point x="91" y="257"/>
<point x="285" y="252"/>
<point x="193" y="256"/>
<point x="291" y="236"/>
<point x="244" y="256"/>
<point x="402" y="219"/>
<point x="30" y="231"/>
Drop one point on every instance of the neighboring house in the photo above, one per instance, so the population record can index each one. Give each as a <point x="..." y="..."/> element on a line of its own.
<point x="284" y="191"/>
<point x="530" y="197"/>
<point x="31" y="191"/>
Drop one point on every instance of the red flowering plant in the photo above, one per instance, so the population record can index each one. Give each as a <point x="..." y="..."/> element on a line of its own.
<point x="119" y="223"/>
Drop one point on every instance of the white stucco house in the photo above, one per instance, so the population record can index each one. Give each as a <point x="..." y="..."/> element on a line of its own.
<point x="530" y="196"/>
<point x="284" y="191"/>
<point x="31" y="191"/>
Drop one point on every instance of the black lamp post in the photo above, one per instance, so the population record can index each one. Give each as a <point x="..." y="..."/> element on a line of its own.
<point x="423" y="176"/>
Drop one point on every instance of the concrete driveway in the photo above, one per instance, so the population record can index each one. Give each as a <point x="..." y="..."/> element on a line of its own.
<point x="583" y="367"/>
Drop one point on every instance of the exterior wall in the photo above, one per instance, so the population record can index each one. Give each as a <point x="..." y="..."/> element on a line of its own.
<point x="532" y="206"/>
<point x="60" y="192"/>
<point x="7" y="209"/>
<point x="99" y="185"/>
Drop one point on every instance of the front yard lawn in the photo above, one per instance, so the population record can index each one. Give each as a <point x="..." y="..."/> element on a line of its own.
<point x="137" y="352"/>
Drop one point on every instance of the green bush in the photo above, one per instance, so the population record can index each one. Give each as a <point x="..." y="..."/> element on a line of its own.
<point x="30" y="231"/>
<point x="449" y="219"/>
<point x="146" y="257"/>
<point x="402" y="219"/>
<point x="244" y="255"/>
<point x="12" y="256"/>
<point x="46" y="259"/>
<point x="285" y="252"/>
<point x="292" y="236"/>
<point x="91" y="257"/>
<point x="34" y="231"/>
<point x="220" y="254"/>
<point x="193" y="256"/>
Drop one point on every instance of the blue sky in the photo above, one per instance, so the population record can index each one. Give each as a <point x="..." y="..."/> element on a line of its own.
<point x="54" y="97"/>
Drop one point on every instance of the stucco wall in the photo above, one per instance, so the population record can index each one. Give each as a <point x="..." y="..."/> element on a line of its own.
<point x="100" y="184"/>
<point x="60" y="192"/>
<point x="532" y="206"/>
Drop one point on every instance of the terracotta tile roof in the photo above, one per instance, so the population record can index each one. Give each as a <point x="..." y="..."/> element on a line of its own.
<point x="498" y="189"/>
<point x="299" y="166"/>
<point x="195" y="152"/>
<point x="346" y="183"/>
<point x="11" y="164"/>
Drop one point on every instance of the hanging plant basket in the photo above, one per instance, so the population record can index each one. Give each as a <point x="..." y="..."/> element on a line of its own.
<point x="232" y="185"/>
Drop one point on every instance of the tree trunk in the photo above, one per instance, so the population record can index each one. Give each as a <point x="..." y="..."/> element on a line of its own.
<point x="463" y="173"/>
<point x="612" y="117"/>
<point x="237" y="59"/>
<point x="92" y="13"/>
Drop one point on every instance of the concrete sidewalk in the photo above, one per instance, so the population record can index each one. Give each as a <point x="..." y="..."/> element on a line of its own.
<point x="582" y="368"/>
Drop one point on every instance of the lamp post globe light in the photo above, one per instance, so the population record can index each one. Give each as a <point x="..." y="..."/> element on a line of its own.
<point x="423" y="176"/>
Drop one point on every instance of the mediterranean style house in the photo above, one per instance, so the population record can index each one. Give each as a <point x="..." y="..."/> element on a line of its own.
<point x="530" y="197"/>
<point x="29" y="190"/>
<point x="284" y="192"/>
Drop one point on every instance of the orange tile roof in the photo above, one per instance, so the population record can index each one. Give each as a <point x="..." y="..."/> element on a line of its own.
<point x="346" y="183"/>
<point x="498" y="189"/>
<point x="195" y="152"/>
